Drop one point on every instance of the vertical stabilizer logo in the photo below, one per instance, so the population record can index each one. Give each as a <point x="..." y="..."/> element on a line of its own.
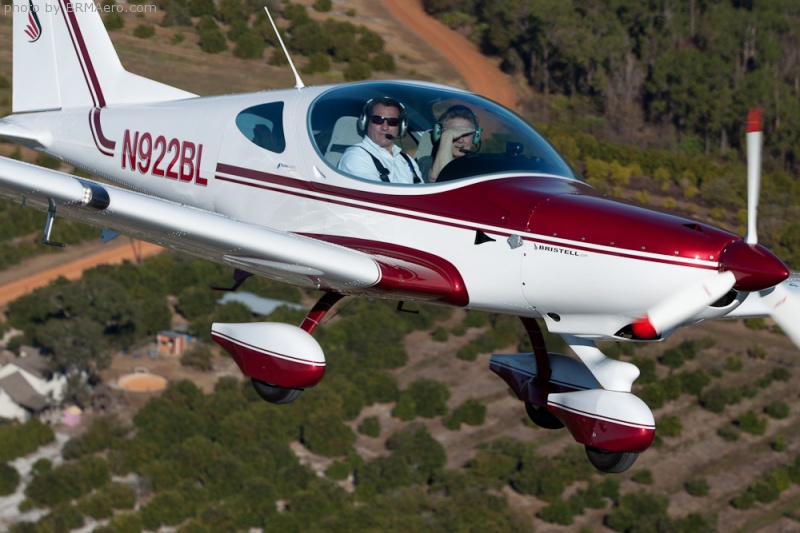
<point x="34" y="27"/>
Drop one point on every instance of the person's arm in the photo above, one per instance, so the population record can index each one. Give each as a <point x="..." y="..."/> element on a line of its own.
<point x="445" y="152"/>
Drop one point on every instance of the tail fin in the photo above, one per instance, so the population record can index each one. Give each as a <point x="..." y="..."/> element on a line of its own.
<point x="63" y="58"/>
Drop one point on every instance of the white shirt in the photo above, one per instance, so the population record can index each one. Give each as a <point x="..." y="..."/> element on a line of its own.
<point x="357" y="161"/>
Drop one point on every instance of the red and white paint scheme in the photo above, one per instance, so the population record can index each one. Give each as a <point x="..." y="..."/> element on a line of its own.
<point x="252" y="181"/>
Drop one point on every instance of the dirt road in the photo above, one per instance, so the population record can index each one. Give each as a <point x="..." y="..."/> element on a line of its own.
<point x="110" y="255"/>
<point x="480" y="72"/>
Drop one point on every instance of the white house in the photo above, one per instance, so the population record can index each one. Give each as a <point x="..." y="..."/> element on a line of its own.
<point x="27" y="386"/>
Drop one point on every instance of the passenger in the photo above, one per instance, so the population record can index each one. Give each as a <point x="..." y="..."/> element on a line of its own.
<point x="457" y="133"/>
<point x="377" y="157"/>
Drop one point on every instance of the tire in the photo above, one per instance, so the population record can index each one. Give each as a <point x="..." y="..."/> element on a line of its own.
<point x="610" y="462"/>
<point x="274" y="394"/>
<point x="542" y="417"/>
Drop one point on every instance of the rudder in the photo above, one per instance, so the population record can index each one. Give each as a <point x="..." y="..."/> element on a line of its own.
<point x="64" y="58"/>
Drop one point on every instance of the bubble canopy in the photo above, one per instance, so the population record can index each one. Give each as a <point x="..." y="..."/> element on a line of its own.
<point x="507" y="144"/>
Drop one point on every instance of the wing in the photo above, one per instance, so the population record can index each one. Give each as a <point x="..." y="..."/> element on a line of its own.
<point x="279" y="255"/>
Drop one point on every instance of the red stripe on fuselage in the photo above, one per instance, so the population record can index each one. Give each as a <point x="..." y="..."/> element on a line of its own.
<point x="521" y="197"/>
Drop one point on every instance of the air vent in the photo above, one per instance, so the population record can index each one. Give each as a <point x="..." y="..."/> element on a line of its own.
<point x="694" y="226"/>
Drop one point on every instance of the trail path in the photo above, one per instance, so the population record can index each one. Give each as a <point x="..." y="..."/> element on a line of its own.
<point x="480" y="72"/>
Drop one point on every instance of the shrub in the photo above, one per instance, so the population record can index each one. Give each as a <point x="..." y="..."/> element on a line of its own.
<point x="468" y="352"/>
<point x="357" y="70"/>
<point x="777" y="410"/>
<point x="323" y="6"/>
<point x="472" y="412"/>
<point x="406" y="408"/>
<point x="144" y="31"/>
<point x="697" y="486"/>
<point x="318" y="62"/>
<point x="728" y="432"/>
<point x="440" y="334"/>
<point x="250" y="45"/>
<point x="752" y="423"/>
<point x="733" y="364"/>
<point x="370" y="426"/>
<point x="779" y="444"/>
<point x="716" y="398"/>
<point x="9" y="479"/>
<point x="212" y="41"/>
<point x="201" y="8"/>
<point x="643" y="476"/>
<point x="430" y="397"/>
<point x="198" y="357"/>
<point x="113" y="21"/>
<point x="757" y="352"/>
<point x="669" y="426"/>
<point x="558" y="512"/>
<point x="121" y="495"/>
<point x="22" y="439"/>
<point x="338" y="470"/>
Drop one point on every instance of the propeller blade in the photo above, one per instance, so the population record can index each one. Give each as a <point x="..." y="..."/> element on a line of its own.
<point x="682" y="306"/>
<point x="782" y="302"/>
<point x="754" y="140"/>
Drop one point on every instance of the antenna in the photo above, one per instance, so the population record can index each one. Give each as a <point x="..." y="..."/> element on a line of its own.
<point x="298" y="82"/>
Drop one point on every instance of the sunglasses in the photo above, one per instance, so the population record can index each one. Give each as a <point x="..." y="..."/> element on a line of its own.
<point x="378" y="120"/>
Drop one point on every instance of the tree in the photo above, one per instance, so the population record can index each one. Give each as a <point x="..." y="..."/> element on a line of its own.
<point x="144" y="31"/>
<point x="9" y="479"/>
<point x="429" y="396"/>
<point x="76" y="345"/>
<point x="212" y="41"/>
<point x="249" y="45"/>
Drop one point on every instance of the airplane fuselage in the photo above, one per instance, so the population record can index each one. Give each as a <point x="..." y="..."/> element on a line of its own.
<point x="555" y="248"/>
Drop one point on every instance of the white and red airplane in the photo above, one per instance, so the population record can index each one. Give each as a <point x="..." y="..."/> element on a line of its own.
<point x="509" y="228"/>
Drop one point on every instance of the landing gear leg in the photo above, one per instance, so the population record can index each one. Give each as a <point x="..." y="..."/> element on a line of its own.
<point x="539" y="414"/>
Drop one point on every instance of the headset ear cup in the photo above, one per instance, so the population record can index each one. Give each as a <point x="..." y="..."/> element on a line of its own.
<point x="476" y="139"/>
<point x="436" y="132"/>
<point x="366" y="111"/>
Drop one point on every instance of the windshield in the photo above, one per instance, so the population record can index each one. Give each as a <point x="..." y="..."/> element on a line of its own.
<point x="499" y="142"/>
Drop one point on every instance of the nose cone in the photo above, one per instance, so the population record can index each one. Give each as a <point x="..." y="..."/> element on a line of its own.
<point x="755" y="267"/>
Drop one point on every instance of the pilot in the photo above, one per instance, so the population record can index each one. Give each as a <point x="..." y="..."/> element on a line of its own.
<point x="377" y="157"/>
<point x="457" y="133"/>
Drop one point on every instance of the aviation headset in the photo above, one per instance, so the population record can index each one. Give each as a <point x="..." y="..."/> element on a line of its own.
<point x="457" y="111"/>
<point x="366" y="113"/>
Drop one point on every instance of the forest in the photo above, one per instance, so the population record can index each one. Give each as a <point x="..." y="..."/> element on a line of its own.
<point x="695" y="65"/>
<point x="222" y="461"/>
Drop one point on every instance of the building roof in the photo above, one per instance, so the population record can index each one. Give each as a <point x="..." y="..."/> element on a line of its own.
<point x="34" y="363"/>
<point x="16" y="386"/>
<point x="257" y="304"/>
